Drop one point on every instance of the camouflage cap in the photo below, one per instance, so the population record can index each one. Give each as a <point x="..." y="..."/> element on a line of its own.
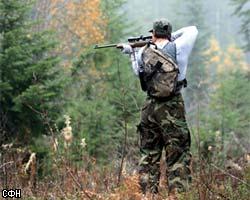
<point x="162" y="27"/>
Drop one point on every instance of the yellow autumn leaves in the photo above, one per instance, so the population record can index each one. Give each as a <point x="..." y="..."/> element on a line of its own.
<point x="77" y="23"/>
<point x="85" y="19"/>
<point x="224" y="61"/>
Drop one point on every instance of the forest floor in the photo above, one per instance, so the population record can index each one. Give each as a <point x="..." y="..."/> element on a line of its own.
<point x="20" y="169"/>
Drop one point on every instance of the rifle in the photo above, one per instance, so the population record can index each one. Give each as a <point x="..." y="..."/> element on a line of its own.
<point x="133" y="42"/>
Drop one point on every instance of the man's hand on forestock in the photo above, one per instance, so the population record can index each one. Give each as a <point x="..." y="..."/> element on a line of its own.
<point x="126" y="48"/>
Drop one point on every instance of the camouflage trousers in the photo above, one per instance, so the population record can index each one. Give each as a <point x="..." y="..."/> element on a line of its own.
<point x="163" y="126"/>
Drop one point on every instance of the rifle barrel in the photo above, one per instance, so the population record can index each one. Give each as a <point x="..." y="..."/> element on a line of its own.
<point x="104" y="46"/>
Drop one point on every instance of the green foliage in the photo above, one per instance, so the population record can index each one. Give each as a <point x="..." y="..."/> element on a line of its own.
<point x="242" y="10"/>
<point x="196" y="74"/>
<point x="242" y="192"/>
<point x="30" y="81"/>
<point x="116" y="24"/>
<point x="233" y="94"/>
<point x="196" y="93"/>
<point x="104" y="101"/>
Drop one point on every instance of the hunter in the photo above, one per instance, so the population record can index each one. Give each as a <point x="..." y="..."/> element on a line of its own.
<point x="163" y="124"/>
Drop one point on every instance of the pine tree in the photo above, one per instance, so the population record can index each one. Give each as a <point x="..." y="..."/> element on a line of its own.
<point x="229" y="96"/>
<point x="30" y="79"/>
<point x="196" y="73"/>
<point x="104" y="96"/>
<point x="243" y="11"/>
<point x="232" y="94"/>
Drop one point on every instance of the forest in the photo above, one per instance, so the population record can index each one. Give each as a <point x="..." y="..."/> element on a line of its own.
<point x="69" y="113"/>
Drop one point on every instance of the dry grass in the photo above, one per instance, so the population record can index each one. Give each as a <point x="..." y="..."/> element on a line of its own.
<point x="18" y="170"/>
<point x="66" y="180"/>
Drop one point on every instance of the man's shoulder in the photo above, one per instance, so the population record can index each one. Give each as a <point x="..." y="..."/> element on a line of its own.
<point x="170" y="44"/>
<point x="170" y="50"/>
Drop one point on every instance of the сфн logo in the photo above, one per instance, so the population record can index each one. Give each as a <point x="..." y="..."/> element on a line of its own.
<point x="11" y="193"/>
